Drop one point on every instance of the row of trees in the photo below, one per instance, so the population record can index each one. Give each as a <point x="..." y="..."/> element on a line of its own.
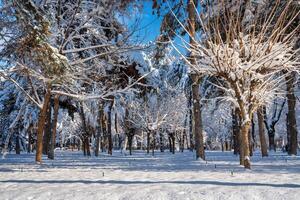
<point x="72" y="75"/>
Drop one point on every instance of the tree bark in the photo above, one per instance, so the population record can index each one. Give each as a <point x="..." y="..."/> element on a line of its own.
<point x="54" y="126"/>
<point x="190" y="116"/>
<point x="170" y="142"/>
<point x="261" y="130"/>
<point x="18" y="149"/>
<point x="41" y="124"/>
<point x="182" y="140"/>
<point x="236" y="131"/>
<point x="271" y="134"/>
<point x="173" y="143"/>
<point x="161" y="142"/>
<point x="109" y="134"/>
<point x="84" y="146"/>
<point x="148" y="142"/>
<point x="47" y="131"/>
<point x="245" y="144"/>
<point x="104" y="131"/>
<point x="197" y="121"/>
<point x="29" y="139"/>
<point x="250" y="139"/>
<point x="291" y="116"/>
<point x="86" y="135"/>
<point x="130" y="143"/>
<point x="99" y="129"/>
<point x="153" y="142"/>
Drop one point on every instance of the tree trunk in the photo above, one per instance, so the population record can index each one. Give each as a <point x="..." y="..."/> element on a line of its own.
<point x="170" y="143"/>
<point x="109" y="134"/>
<point x="87" y="146"/>
<point x="271" y="134"/>
<point x="29" y="139"/>
<point x="250" y="141"/>
<point x="222" y="145"/>
<point x="41" y="124"/>
<point x="148" y="142"/>
<point x="236" y="131"/>
<point x="104" y="131"/>
<point x="99" y="128"/>
<point x="291" y="116"/>
<point x="97" y="141"/>
<point x="83" y="147"/>
<point x="153" y="142"/>
<point x="197" y="121"/>
<point x="173" y="143"/>
<point x="261" y="129"/>
<point x="161" y="143"/>
<point x="245" y="144"/>
<point x="18" y="149"/>
<point x="47" y="131"/>
<point x="130" y="143"/>
<point x="54" y="126"/>
<point x="191" y="146"/>
<point x="182" y="141"/>
<point x="241" y="149"/>
<point x="85" y="141"/>
<point x="252" y="137"/>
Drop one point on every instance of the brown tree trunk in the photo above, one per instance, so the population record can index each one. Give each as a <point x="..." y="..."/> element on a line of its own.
<point x="83" y="146"/>
<point x="235" y="131"/>
<point x="250" y="140"/>
<point x="245" y="144"/>
<point x="261" y="130"/>
<point x="109" y="134"/>
<point x="173" y="143"/>
<point x="98" y="134"/>
<point x="191" y="146"/>
<point x="170" y="142"/>
<point x="253" y="139"/>
<point x="104" y="130"/>
<point x="87" y="145"/>
<point x="161" y="143"/>
<point x="182" y="141"/>
<point x="29" y="139"/>
<point x="197" y="121"/>
<point x="153" y="142"/>
<point x="130" y="143"/>
<point x="271" y="134"/>
<point x="148" y="141"/>
<point x="291" y="116"/>
<point x="54" y="126"/>
<point x="41" y="124"/>
<point x="86" y="135"/>
<point x="47" y="131"/>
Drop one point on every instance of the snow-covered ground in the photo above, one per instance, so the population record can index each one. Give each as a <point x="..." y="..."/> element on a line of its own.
<point x="141" y="176"/>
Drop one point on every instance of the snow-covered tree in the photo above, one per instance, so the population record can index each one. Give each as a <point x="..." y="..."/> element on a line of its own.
<point x="248" y="59"/>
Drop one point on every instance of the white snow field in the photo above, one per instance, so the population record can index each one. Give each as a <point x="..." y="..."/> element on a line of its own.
<point x="141" y="176"/>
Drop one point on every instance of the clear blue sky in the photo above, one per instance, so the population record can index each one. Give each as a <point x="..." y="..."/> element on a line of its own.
<point x="149" y="26"/>
<point x="148" y="23"/>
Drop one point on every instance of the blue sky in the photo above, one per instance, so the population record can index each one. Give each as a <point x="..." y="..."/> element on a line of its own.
<point x="149" y="26"/>
<point x="148" y="23"/>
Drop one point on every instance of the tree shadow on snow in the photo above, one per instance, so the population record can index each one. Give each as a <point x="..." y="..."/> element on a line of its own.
<point x="124" y="182"/>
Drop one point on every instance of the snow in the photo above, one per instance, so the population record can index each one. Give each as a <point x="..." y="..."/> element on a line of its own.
<point x="141" y="176"/>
